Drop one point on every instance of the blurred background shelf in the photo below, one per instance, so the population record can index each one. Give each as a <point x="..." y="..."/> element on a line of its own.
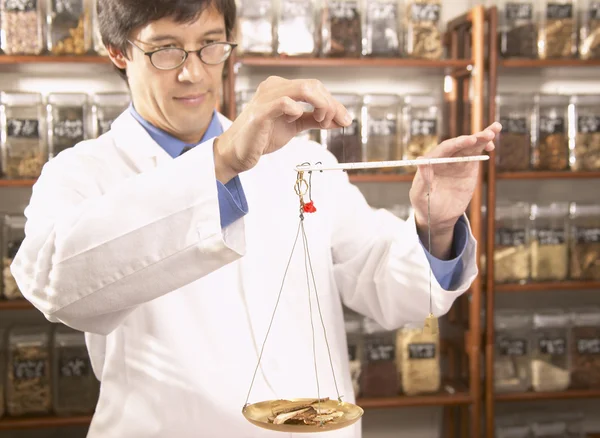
<point x="8" y="423"/>
<point x="547" y="175"/>
<point x="289" y="61"/>
<point x="562" y="395"/>
<point x="549" y="286"/>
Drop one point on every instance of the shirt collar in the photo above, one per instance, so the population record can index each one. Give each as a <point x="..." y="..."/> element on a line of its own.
<point x="173" y="146"/>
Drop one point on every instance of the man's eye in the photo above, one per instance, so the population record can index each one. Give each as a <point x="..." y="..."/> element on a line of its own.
<point x="206" y="42"/>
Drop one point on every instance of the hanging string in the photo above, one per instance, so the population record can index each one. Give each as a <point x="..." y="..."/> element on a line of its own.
<point x="429" y="232"/>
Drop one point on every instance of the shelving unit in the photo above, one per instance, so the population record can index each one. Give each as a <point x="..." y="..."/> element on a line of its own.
<point x="496" y="66"/>
<point x="8" y="423"/>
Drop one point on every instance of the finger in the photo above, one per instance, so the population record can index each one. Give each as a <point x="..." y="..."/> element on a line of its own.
<point x="286" y="107"/>
<point x="314" y="93"/>
<point x="331" y="111"/>
<point x="307" y="121"/>
<point x="453" y="146"/>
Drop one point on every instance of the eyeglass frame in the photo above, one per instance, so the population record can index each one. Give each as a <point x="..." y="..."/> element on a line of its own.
<point x="187" y="53"/>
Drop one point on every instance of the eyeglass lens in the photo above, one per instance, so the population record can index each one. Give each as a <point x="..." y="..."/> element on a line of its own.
<point x="173" y="57"/>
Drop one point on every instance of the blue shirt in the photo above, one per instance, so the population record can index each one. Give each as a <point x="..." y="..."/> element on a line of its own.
<point x="233" y="204"/>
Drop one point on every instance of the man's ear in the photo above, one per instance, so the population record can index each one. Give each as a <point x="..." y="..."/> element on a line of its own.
<point x="117" y="57"/>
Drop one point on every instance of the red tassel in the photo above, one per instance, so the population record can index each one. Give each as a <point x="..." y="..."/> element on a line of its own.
<point x="309" y="207"/>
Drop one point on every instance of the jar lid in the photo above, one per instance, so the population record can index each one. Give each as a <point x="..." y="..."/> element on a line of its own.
<point x="65" y="336"/>
<point x="18" y="98"/>
<point x="586" y="99"/>
<point x="552" y="99"/>
<point x="348" y="99"/>
<point x="586" y="317"/>
<point x="111" y="99"/>
<point x="551" y="318"/>
<point x="553" y="210"/>
<point x="421" y="100"/>
<point x="371" y="326"/>
<point x="516" y="210"/>
<point x="15" y="221"/>
<point x="376" y="99"/>
<point x="521" y="431"/>
<point x="584" y="210"/>
<point x="519" y="99"/>
<point x="550" y="429"/>
<point x="67" y="98"/>
<point x="508" y="319"/>
<point x="29" y="336"/>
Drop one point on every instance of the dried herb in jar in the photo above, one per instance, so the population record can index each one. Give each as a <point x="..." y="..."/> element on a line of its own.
<point x="69" y="27"/>
<point x="355" y="368"/>
<point x="424" y="39"/>
<point x="345" y="38"/>
<point x="552" y="152"/>
<point x="419" y="361"/>
<point x="423" y="138"/>
<point x="585" y="357"/>
<point x="382" y="28"/>
<point x="11" y="290"/>
<point x="379" y="377"/>
<point x="589" y="46"/>
<point x="511" y="364"/>
<point x="68" y="129"/>
<point x="21" y="27"/>
<point x="255" y="27"/>
<point x="587" y="143"/>
<point x="296" y="28"/>
<point x="514" y="148"/>
<point x="558" y="31"/>
<point x="76" y="390"/>
<point x="346" y="147"/>
<point x="549" y="365"/>
<point x="585" y="254"/>
<point x="519" y="40"/>
<point x="24" y="157"/>
<point x="511" y="256"/>
<point x="28" y="387"/>
<point x="549" y="255"/>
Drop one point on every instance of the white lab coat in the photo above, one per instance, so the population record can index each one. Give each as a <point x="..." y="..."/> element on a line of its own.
<point x="125" y="243"/>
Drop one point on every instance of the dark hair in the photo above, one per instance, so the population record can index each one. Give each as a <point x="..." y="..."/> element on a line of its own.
<point x="118" y="18"/>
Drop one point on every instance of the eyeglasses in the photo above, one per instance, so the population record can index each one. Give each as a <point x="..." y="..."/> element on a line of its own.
<point x="169" y="58"/>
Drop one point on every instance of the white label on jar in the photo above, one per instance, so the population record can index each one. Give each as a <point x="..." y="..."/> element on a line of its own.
<point x="513" y="347"/>
<point x="588" y="124"/>
<point x="72" y="129"/>
<point x="588" y="346"/>
<point x="23" y="128"/>
<point x="29" y="369"/>
<point x="377" y="351"/>
<point x="74" y="367"/>
<point x="421" y="351"/>
<point x="518" y="11"/>
<point x="559" y="11"/>
<point x="554" y="346"/>
<point x="587" y="235"/>
<point x="547" y="236"/>
<point x="425" y="12"/>
<point x="20" y="5"/>
<point x="552" y="125"/>
<point x="423" y="127"/>
<point x="514" y="125"/>
<point x="343" y="10"/>
<point x="382" y="127"/>
<point x="510" y="237"/>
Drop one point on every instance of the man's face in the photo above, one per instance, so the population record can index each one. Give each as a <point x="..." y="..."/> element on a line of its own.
<point x="179" y="101"/>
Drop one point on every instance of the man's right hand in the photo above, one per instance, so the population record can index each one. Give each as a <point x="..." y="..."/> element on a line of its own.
<point x="271" y="119"/>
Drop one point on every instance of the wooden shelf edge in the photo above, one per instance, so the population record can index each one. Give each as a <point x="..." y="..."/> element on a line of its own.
<point x="557" y="285"/>
<point x="563" y="395"/>
<point x="547" y="175"/>
<point x="546" y="63"/>
<point x="414" y="401"/>
<point x="15" y="305"/>
<point x="50" y="59"/>
<point x="299" y="61"/>
<point x="17" y="182"/>
<point x="9" y="423"/>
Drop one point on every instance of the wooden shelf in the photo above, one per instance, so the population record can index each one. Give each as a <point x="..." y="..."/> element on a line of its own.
<point x="21" y="304"/>
<point x="551" y="285"/>
<point x="563" y="395"/>
<point x="547" y="175"/>
<point x="293" y="61"/>
<point x="43" y="422"/>
<point x="17" y="182"/>
<point x="381" y="177"/>
<point x="548" y="63"/>
<point x="48" y="59"/>
<point x="441" y="399"/>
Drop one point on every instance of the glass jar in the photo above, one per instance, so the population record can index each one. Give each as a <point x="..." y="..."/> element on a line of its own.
<point x="75" y="388"/>
<point x="28" y="387"/>
<point x="551" y="150"/>
<point x="106" y="107"/>
<point x="97" y="37"/>
<point x="558" y="425"/>
<point x="585" y="121"/>
<point x="419" y="361"/>
<point x="255" y="27"/>
<point x="22" y="135"/>
<point x="13" y="233"/>
<point x="67" y="115"/>
<point x="513" y="144"/>
<point x="354" y="337"/>
<point x="69" y="27"/>
<point x="421" y="124"/>
<point x="512" y="263"/>
<point x="423" y="33"/>
<point x="383" y="139"/>
<point x="585" y="242"/>
<point x="517" y="30"/>
<point x="22" y="24"/>
<point x="2" y="371"/>
<point x="589" y="29"/>
<point x="512" y="427"/>
<point x="512" y="357"/>
<point x="379" y="373"/>
<point x="381" y="34"/>
<point x="297" y="28"/>
<point x="346" y="144"/>
<point x="557" y="35"/>
<point x="585" y="348"/>
<point x="549" y="242"/>
<point x="341" y="28"/>
<point x="550" y="361"/>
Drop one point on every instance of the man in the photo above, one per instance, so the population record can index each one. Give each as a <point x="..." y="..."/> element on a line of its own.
<point x="171" y="262"/>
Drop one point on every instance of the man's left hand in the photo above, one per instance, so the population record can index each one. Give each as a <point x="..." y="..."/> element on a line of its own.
<point x="452" y="186"/>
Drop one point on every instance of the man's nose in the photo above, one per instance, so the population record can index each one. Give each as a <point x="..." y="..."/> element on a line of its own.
<point x="193" y="69"/>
